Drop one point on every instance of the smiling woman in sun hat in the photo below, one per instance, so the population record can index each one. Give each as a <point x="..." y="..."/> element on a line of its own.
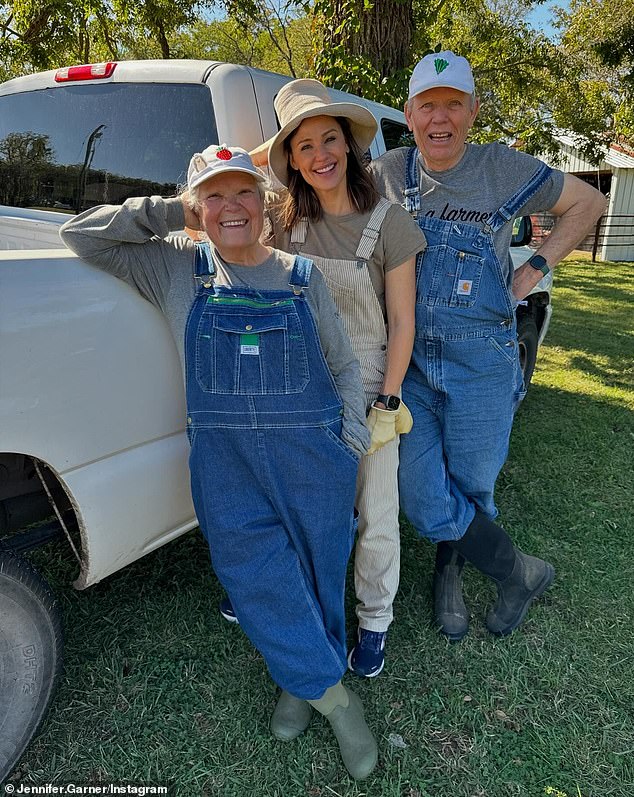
<point x="365" y="247"/>
<point x="275" y="418"/>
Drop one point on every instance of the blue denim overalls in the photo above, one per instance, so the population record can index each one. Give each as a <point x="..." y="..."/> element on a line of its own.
<point x="464" y="381"/>
<point x="272" y="482"/>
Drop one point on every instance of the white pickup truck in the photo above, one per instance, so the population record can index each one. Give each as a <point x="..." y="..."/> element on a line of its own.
<point x="91" y="398"/>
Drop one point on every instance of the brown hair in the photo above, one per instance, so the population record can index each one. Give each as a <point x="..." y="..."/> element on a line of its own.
<point x="302" y="201"/>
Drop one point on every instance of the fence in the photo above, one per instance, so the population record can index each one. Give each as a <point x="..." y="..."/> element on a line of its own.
<point x="612" y="231"/>
<point x="612" y="236"/>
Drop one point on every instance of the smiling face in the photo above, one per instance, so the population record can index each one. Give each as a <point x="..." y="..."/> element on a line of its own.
<point x="231" y="212"/>
<point x="318" y="150"/>
<point x="440" y="119"/>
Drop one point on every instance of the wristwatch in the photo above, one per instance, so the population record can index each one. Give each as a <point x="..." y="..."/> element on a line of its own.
<point x="539" y="263"/>
<point x="391" y="402"/>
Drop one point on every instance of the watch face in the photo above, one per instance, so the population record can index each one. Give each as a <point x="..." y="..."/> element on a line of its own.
<point x="393" y="402"/>
<point x="538" y="262"/>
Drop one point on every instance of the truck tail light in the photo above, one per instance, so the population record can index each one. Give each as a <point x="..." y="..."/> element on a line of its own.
<point x="85" y="72"/>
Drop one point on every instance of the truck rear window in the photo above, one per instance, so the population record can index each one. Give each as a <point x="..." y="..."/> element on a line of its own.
<point x="74" y="147"/>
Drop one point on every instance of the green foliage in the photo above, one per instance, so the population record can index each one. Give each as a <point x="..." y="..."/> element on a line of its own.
<point x="38" y="35"/>
<point x="34" y="33"/>
<point x="341" y="60"/>
<point x="598" y="41"/>
<point x="530" y="86"/>
<point x="231" y="41"/>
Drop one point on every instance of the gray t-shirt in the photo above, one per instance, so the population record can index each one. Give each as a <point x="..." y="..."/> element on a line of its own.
<point x="132" y="242"/>
<point x="484" y="179"/>
<point x="338" y="237"/>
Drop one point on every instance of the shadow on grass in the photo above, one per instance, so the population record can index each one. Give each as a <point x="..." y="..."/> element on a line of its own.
<point x="609" y="281"/>
<point x="569" y="474"/>
<point x="599" y="321"/>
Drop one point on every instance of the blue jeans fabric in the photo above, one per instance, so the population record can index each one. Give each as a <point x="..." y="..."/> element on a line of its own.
<point x="273" y="483"/>
<point x="464" y="381"/>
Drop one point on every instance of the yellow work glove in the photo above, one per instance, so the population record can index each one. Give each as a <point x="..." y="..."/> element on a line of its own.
<point x="404" y="420"/>
<point x="382" y="426"/>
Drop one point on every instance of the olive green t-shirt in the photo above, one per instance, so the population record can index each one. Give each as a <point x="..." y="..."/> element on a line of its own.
<point x="338" y="237"/>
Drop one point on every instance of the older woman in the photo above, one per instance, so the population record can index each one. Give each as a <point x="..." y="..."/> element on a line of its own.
<point x="275" y="418"/>
<point x="365" y="248"/>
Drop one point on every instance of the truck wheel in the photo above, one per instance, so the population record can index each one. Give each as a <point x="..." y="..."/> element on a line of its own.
<point x="527" y="338"/>
<point x="30" y="655"/>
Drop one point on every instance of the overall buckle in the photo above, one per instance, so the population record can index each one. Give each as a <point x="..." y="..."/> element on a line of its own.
<point x="412" y="200"/>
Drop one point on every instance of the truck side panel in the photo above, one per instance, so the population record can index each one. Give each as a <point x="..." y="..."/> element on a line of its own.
<point x="91" y="384"/>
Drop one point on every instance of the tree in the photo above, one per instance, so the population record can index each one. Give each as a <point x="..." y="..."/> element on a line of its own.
<point x="365" y="47"/>
<point x="40" y="34"/>
<point x="239" y="42"/>
<point x="380" y="33"/>
<point x="598" y="40"/>
<point x="276" y="23"/>
<point x="23" y="156"/>
<point x="157" y="20"/>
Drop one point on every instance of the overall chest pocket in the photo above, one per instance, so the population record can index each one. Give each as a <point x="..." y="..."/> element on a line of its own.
<point x="449" y="277"/>
<point x="242" y="353"/>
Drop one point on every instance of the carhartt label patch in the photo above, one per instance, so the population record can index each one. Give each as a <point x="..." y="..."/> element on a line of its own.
<point x="464" y="288"/>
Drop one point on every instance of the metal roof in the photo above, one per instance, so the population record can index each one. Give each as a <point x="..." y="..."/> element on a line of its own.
<point x="612" y="156"/>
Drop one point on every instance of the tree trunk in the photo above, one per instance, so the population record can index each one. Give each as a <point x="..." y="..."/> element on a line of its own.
<point x="162" y="39"/>
<point x="384" y="34"/>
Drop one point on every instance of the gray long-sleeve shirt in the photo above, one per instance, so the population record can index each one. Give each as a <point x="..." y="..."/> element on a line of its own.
<point x="133" y="242"/>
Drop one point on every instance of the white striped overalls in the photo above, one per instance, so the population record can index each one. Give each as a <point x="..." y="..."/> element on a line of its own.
<point x="377" y="553"/>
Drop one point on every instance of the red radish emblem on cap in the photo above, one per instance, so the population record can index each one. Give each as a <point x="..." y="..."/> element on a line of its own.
<point x="224" y="154"/>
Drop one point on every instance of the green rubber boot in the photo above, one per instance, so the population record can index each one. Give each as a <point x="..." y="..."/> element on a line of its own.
<point x="290" y="717"/>
<point x="357" y="745"/>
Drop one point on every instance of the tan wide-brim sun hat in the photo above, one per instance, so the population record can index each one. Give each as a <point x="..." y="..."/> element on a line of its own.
<point x="302" y="99"/>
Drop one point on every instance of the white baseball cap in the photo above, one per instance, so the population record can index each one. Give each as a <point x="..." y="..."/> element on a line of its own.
<point x="220" y="159"/>
<point x="441" y="69"/>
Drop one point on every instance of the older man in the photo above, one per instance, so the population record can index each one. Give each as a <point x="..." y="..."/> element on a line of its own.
<point x="465" y="381"/>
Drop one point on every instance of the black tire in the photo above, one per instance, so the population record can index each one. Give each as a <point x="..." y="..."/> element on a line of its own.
<point x="30" y="655"/>
<point x="527" y="341"/>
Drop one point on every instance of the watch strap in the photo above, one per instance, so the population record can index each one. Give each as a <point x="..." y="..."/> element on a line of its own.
<point x="391" y="402"/>
<point x="538" y="262"/>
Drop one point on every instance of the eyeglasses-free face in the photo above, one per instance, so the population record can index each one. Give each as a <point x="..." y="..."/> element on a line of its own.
<point x="320" y="153"/>
<point x="440" y="119"/>
<point x="232" y="214"/>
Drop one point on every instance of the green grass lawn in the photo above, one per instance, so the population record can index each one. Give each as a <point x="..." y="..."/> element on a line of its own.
<point x="158" y="689"/>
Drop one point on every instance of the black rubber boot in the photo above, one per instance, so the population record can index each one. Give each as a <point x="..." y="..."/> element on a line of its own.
<point x="520" y="578"/>
<point x="452" y="617"/>
<point x="529" y="579"/>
